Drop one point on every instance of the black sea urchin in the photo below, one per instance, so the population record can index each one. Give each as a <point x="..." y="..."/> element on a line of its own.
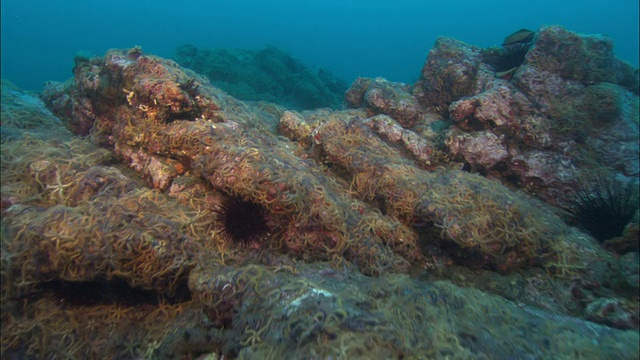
<point x="240" y="221"/>
<point x="603" y="207"/>
<point x="511" y="57"/>
<point x="513" y="52"/>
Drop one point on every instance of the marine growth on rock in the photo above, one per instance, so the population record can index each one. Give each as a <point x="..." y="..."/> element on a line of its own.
<point x="422" y="220"/>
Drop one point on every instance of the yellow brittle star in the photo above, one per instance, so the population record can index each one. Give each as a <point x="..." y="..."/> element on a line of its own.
<point x="59" y="186"/>
<point x="254" y="335"/>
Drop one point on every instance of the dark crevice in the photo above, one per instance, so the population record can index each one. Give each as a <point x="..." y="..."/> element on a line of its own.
<point x="102" y="292"/>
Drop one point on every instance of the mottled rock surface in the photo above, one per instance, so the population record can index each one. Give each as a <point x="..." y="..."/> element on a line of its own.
<point x="409" y="225"/>
<point x="268" y="74"/>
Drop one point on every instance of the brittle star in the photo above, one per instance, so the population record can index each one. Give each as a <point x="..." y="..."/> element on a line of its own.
<point x="59" y="187"/>
<point x="254" y="335"/>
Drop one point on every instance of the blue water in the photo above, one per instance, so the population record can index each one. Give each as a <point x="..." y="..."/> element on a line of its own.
<point x="349" y="37"/>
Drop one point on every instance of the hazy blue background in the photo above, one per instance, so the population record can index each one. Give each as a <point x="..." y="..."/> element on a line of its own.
<point x="349" y="37"/>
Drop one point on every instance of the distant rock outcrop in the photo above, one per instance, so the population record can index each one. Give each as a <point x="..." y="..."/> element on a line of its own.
<point x="268" y="74"/>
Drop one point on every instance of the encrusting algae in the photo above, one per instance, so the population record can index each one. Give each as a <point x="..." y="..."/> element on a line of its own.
<point x="366" y="233"/>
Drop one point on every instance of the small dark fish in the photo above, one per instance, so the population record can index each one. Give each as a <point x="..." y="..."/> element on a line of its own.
<point x="521" y="36"/>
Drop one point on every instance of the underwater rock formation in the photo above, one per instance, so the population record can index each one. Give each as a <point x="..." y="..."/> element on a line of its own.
<point x="378" y="235"/>
<point x="570" y="108"/>
<point x="166" y="122"/>
<point x="379" y="96"/>
<point x="484" y="221"/>
<point x="268" y="74"/>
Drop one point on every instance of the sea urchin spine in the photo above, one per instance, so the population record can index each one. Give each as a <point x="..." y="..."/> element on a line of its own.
<point x="240" y="221"/>
<point x="603" y="208"/>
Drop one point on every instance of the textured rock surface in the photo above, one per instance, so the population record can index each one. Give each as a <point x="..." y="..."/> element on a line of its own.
<point x="390" y="229"/>
<point x="268" y="74"/>
<point x="568" y="110"/>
